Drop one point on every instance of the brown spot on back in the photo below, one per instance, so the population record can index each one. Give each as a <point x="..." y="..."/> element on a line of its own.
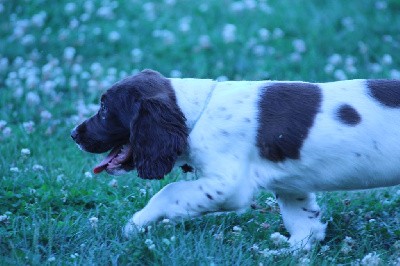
<point x="348" y="115"/>
<point x="209" y="196"/>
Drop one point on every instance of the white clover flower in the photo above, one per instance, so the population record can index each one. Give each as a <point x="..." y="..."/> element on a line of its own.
<point x="237" y="229"/>
<point x="7" y="132"/>
<point x="88" y="175"/>
<point x="114" y="36"/>
<point x="39" y="19"/>
<point x="51" y="259"/>
<point x="387" y="59"/>
<point x="48" y="87"/>
<point x="255" y="247"/>
<point x="96" y="69"/>
<point x="335" y="59"/>
<point x="295" y="57"/>
<point x="388" y="38"/>
<point x="70" y="8"/>
<point x="277" y="33"/>
<point x="339" y="74"/>
<point x="25" y="152"/>
<point x="264" y="34"/>
<point x="380" y="5"/>
<point x="250" y="4"/>
<point x="2" y="124"/>
<point x="395" y="74"/>
<point x="84" y="17"/>
<point x="348" y="23"/>
<point x="175" y="74"/>
<point x="299" y="45"/>
<point x="375" y="67"/>
<point x="97" y="31"/>
<point x="278" y="239"/>
<point x="268" y="253"/>
<point x="222" y="78"/>
<point x="32" y="81"/>
<point x="113" y="183"/>
<point x="165" y="221"/>
<point x="32" y="98"/>
<point x="351" y="69"/>
<point x="371" y="259"/>
<point x="137" y="55"/>
<point x="88" y="6"/>
<point x="45" y="115"/>
<point x="149" y="10"/>
<point x="166" y="241"/>
<point x="325" y="248"/>
<point x="142" y="191"/>
<point x="229" y="33"/>
<point x="259" y="50"/>
<point x="69" y="53"/>
<point x="168" y="37"/>
<point x="347" y="245"/>
<point x="4" y="64"/>
<point x="29" y="126"/>
<point x="93" y="221"/>
<point x="105" y="12"/>
<point x="185" y="24"/>
<point x="3" y="218"/>
<point x="304" y="261"/>
<point x="148" y="242"/>
<point x="271" y="202"/>
<point x="74" y="256"/>
<point x="237" y="6"/>
<point x="14" y="169"/>
<point x="37" y="167"/>
<point x="173" y="238"/>
<point x="77" y="68"/>
<point x="28" y="39"/>
<point x="204" y="41"/>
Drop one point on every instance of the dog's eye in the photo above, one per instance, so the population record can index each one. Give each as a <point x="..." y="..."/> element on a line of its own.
<point x="103" y="111"/>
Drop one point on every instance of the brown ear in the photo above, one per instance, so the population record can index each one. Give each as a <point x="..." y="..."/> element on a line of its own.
<point x="158" y="136"/>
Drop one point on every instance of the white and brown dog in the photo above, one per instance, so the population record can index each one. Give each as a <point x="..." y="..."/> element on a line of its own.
<point x="291" y="138"/>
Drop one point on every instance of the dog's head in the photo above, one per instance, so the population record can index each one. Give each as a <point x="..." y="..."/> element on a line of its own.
<point x="140" y="122"/>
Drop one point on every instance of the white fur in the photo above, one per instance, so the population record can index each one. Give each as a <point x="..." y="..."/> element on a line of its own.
<point x="222" y="117"/>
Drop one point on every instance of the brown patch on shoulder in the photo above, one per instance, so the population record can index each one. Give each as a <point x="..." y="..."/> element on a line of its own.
<point x="286" y="113"/>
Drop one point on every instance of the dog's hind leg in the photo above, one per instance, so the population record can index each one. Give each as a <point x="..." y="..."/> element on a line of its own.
<point x="301" y="216"/>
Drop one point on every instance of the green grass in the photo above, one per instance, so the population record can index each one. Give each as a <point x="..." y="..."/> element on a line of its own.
<point x="48" y="210"/>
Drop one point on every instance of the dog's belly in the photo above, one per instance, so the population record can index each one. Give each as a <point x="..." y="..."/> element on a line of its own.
<point x="335" y="175"/>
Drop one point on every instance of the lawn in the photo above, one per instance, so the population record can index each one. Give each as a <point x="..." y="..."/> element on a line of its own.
<point x="57" y="57"/>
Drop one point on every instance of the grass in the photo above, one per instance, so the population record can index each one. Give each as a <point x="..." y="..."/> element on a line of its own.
<point x="48" y="197"/>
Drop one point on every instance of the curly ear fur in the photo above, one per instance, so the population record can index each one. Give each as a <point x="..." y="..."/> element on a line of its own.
<point x="158" y="136"/>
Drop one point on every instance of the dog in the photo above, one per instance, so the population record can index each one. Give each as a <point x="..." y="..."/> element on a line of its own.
<point x="291" y="138"/>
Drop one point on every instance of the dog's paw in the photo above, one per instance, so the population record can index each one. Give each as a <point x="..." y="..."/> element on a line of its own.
<point x="302" y="241"/>
<point x="131" y="229"/>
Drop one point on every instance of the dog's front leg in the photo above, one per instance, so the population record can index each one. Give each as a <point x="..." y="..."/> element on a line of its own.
<point x="188" y="199"/>
<point x="301" y="216"/>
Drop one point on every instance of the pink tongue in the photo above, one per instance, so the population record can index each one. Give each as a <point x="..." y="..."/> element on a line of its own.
<point x="103" y="165"/>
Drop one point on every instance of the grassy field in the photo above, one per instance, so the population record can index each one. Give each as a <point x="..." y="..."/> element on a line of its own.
<point x="57" y="57"/>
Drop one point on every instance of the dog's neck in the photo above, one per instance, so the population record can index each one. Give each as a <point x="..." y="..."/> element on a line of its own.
<point x="193" y="96"/>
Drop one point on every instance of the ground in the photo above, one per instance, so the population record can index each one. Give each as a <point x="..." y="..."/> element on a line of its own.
<point x="57" y="57"/>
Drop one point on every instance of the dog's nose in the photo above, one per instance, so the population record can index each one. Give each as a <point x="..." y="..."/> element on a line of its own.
<point x="74" y="134"/>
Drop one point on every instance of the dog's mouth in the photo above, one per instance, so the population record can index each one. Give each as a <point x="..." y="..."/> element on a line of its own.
<point x="116" y="159"/>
